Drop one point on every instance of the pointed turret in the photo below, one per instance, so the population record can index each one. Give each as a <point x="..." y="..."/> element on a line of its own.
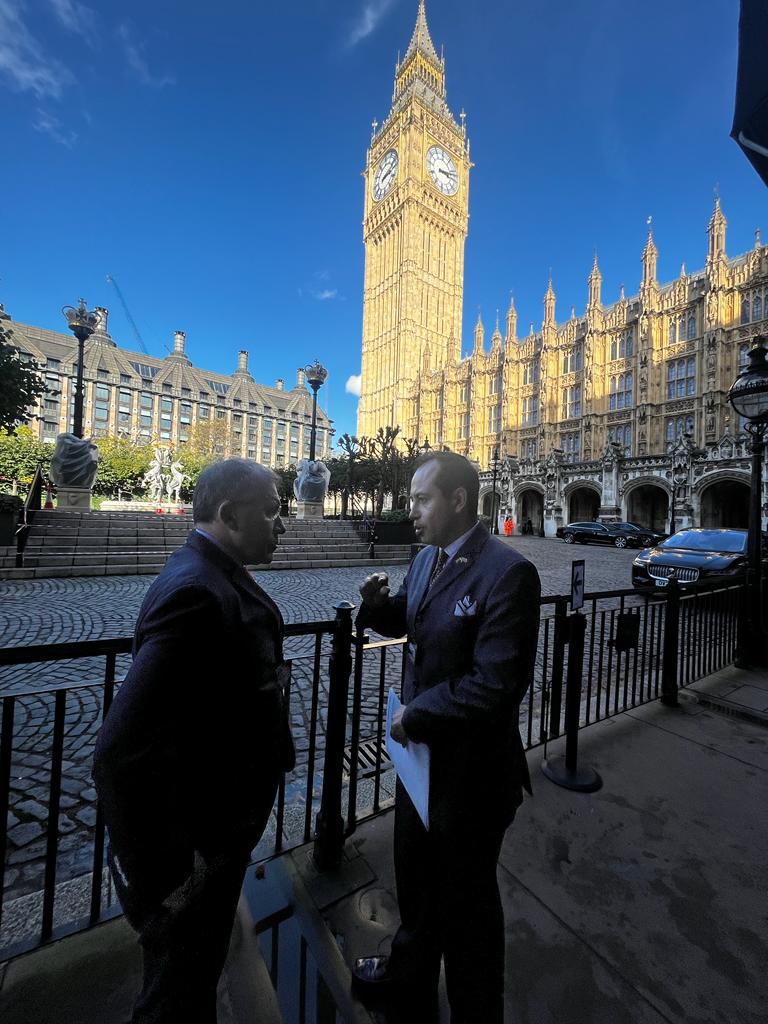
<point x="421" y="40"/>
<point x="716" y="234"/>
<point x="496" y="336"/>
<point x="421" y="73"/>
<point x="479" y="334"/>
<point x="650" y="256"/>
<point x="758" y="243"/>
<point x="595" y="282"/>
<point x="511" y="322"/>
<point x="549" y="305"/>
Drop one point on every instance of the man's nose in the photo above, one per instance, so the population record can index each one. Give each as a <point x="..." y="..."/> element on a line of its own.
<point x="279" y="526"/>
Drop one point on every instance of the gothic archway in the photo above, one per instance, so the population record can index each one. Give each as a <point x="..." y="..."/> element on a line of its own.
<point x="725" y="503"/>
<point x="583" y="505"/>
<point x="648" y="505"/>
<point x="530" y="506"/>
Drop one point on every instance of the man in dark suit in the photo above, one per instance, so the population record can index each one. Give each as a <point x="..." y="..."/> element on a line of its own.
<point x="189" y="757"/>
<point x="470" y="608"/>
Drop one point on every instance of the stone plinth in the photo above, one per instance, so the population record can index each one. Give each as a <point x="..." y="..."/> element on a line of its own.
<point x="70" y="498"/>
<point x="309" y="510"/>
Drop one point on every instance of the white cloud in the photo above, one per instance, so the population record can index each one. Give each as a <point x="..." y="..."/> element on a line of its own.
<point x="354" y="384"/>
<point x="367" y="22"/>
<point x="137" y="62"/>
<point x="324" y="294"/>
<point x="77" y="18"/>
<point x="23" y="60"/>
<point x="49" y="125"/>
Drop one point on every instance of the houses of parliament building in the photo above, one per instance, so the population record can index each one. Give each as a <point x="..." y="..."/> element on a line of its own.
<point x="619" y="412"/>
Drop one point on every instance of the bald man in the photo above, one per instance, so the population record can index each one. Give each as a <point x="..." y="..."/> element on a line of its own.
<point x="189" y="757"/>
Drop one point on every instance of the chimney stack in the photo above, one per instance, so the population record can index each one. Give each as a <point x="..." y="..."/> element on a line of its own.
<point x="300" y="378"/>
<point x="179" y="338"/>
<point x="242" y="361"/>
<point x="280" y="384"/>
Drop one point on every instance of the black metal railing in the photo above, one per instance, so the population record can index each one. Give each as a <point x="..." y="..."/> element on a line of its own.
<point x="636" y="648"/>
<point x="32" y="503"/>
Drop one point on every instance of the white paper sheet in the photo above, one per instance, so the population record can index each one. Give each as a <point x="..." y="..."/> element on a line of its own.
<point x="411" y="764"/>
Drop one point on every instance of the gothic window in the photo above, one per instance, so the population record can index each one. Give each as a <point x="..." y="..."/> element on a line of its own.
<point x="622" y="436"/>
<point x="496" y="383"/>
<point x="464" y="425"/>
<point x="531" y="411"/>
<point x="572" y="402"/>
<point x="466" y="391"/>
<point x="622" y="346"/>
<point x="745" y="309"/>
<point x="757" y="307"/>
<point x="571" y="445"/>
<point x="691" y="326"/>
<point x="676" y="427"/>
<point x="531" y="372"/>
<point x="494" y="419"/>
<point x="681" y="378"/>
<point x="672" y="332"/>
<point x="530" y="450"/>
<point x="620" y="395"/>
<point x="572" y="359"/>
<point x="744" y="356"/>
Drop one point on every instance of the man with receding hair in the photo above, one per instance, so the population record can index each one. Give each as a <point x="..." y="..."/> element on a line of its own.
<point x="470" y="608"/>
<point x="189" y="757"/>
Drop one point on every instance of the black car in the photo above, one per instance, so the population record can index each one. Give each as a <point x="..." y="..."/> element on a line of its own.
<point x="692" y="556"/>
<point x="598" y="533"/>
<point x="646" y="537"/>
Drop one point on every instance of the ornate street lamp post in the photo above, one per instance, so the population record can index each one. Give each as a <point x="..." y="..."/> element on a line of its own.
<point x="316" y="376"/>
<point x="426" y="448"/>
<point x="82" y="323"/>
<point x="494" y="512"/>
<point x="749" y="397"/>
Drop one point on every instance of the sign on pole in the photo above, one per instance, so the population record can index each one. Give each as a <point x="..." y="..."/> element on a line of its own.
<point x="577" y="584"/>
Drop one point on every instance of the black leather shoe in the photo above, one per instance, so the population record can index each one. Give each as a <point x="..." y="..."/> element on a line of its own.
<point x="372" y="973"/>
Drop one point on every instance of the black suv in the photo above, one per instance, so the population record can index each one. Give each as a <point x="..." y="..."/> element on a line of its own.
<point x="647" y="538"/>
<point x="599" y="533"/>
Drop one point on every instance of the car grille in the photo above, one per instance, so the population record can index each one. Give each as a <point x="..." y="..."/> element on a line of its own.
<point x="680" y="572"/>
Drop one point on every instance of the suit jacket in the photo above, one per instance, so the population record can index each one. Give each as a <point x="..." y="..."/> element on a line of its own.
<point x="190" y="753"/>
<point x="470" y="656"/>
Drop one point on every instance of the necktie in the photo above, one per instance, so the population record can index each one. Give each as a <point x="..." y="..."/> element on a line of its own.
<point x="442" y="559"/>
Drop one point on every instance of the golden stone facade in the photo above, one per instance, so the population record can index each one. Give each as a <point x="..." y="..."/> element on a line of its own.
<point x="633" y="379"/>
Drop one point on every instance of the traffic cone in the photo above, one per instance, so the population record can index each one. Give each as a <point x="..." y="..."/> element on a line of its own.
<point x="48" y="499"/>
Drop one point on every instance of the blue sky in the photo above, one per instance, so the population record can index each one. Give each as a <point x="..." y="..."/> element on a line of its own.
<point x="210" y="158"/>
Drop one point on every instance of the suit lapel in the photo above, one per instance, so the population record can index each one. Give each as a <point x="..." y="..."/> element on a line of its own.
<point x="458" y="565"/>
<point x="422" y="570"/>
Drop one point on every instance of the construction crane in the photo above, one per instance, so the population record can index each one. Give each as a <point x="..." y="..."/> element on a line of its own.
<point x="131" y="321"/>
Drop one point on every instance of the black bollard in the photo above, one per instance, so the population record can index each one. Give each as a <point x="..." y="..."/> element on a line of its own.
<point x="329" y="825"/>
<point x="566" y="772"/>
<point x="671" y="640"/>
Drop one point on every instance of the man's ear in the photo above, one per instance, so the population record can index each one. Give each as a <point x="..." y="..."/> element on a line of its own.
<point x="227" y="514"/>
<point x="460" y="499"/>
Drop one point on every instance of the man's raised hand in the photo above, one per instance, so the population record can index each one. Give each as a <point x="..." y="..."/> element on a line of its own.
<point x="374" y="590"/>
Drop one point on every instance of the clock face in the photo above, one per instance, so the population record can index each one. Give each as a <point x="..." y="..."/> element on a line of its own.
<point x="385" y="175"/>
<point x="442" y="170"/>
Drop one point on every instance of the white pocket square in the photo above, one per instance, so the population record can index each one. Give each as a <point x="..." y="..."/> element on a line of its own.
<point x="466" y="606"/>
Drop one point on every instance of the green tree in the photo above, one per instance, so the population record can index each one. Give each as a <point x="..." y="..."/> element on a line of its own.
<point x="21" y="384"/>
<point x="122" y="464"/>
<point x="353" y="452"/>
<point x="20" y="453"/>
<point x="286" y="476"/>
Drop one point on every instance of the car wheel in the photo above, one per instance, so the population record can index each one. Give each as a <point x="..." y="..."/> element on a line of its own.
<point x="568" y="538"/>
<point x="620" y="542"/>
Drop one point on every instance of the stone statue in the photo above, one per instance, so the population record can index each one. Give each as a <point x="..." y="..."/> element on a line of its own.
<point x="311" y="484"/>
<point x="175" y="482"/>
<point x="154" y="478"/>
<point x="75" y="461"/>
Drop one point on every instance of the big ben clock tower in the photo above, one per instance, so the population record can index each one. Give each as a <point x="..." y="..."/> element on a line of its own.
<point x="414" y="228"/>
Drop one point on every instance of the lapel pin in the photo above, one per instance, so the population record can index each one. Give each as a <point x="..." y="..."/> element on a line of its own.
<point x="461" y="560"/>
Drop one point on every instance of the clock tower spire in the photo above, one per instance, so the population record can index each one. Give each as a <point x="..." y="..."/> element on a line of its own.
<point x="414" y="227"/>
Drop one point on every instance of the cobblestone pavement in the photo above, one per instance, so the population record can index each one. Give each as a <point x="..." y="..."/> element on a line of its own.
<point x="59" y="610"/>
